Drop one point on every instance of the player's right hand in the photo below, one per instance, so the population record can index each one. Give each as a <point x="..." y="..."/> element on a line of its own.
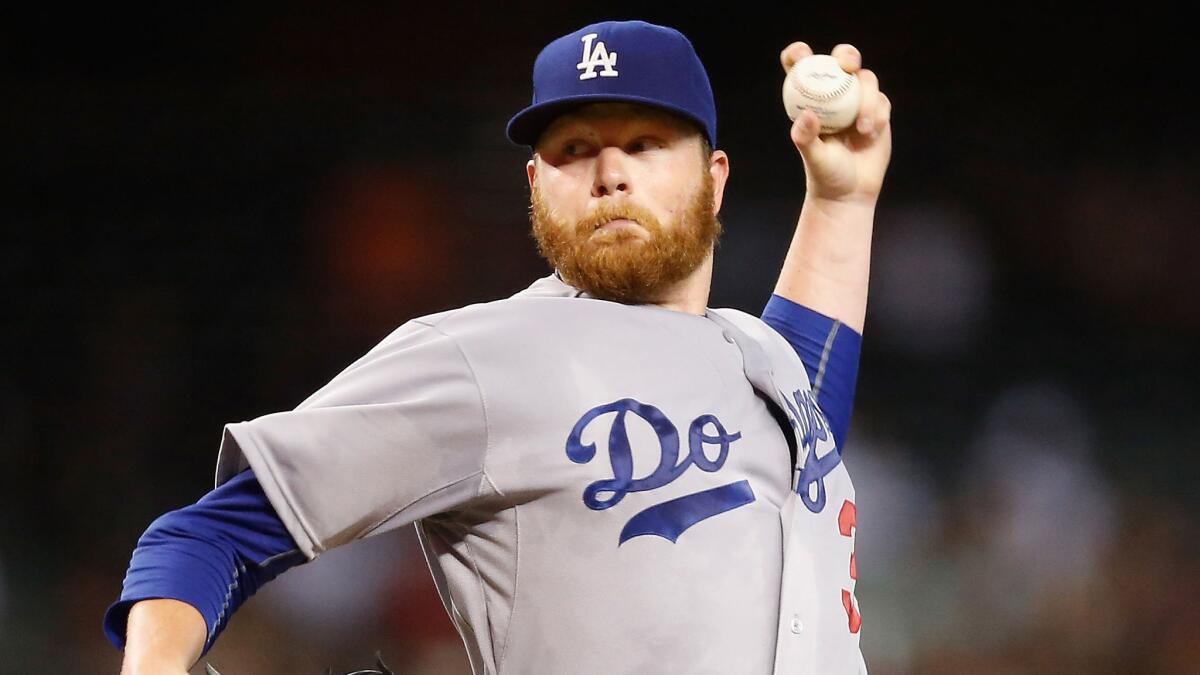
<point x="847" y="166"/>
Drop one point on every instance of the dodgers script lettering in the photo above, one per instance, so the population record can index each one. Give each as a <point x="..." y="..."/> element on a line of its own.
<point x="668" y="519"/>
<point x="807" y="419"/>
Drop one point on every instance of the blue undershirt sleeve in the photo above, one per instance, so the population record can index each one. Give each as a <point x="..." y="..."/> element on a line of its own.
<point x="213" y="555"/>
<point x="830" y="352"/>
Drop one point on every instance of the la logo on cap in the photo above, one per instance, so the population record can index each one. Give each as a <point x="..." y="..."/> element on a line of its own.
<point x="595" y="57"/>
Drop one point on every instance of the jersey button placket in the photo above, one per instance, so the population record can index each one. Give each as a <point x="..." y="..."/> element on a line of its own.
<point x="797" y="625"/>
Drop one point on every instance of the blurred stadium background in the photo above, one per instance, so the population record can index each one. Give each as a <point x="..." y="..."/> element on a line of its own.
<point x="214" y="209"/>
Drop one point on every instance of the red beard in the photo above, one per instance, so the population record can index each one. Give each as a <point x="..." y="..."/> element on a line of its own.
<point x="623" y="264"/>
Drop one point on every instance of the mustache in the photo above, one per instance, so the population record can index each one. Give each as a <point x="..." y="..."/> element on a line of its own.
<point x="606" y="213"/>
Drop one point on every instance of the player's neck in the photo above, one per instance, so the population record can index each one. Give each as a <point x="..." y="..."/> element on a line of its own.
<point x="690" y="294"/>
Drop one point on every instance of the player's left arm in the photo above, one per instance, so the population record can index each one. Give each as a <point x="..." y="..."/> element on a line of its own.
<point x="820" y="300"/>
<point x="828" y="263"/>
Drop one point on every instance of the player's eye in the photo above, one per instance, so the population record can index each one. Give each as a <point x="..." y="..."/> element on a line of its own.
<point x="641" y="145"/>
<point x="574" y="149"/>
<point x="645" y="144"/>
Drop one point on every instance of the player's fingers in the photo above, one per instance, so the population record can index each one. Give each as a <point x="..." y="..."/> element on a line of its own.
<point x="806" y="131"/>
<point x="848" y="57"/>
<point x="869" y="107"/>
<point x="883" y="116"/>
<point x="793" y="53"/>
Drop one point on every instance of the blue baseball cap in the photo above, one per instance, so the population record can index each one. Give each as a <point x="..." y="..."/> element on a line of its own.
<point x="630" y="61"/>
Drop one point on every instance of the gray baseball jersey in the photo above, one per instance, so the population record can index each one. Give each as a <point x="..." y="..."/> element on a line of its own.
<point x="598" y="487"/>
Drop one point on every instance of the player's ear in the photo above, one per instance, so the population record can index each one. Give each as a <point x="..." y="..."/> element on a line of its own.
<point x="718" y="168"/>
<point x="531" y="170"/>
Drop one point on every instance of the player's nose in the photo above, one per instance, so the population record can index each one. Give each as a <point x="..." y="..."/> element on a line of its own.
<point x="611" y="176"/>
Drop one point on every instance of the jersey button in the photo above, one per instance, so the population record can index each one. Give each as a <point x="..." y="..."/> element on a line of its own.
<point x="728" y="337"/>
<point x="797" y="625"/>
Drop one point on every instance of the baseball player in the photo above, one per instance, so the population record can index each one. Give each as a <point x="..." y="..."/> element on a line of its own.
<point x="606" y="475"/>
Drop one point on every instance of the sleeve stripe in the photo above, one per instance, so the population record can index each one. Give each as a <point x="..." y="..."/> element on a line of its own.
<point x="829" y="351"/>
<point x="825" y="358"/>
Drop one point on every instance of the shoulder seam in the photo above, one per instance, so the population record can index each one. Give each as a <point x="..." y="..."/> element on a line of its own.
<point x="483" y="402"/>
<point x="478" y="473"/>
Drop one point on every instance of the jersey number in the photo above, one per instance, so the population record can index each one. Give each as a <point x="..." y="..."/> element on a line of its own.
<point x="847" y="523"/>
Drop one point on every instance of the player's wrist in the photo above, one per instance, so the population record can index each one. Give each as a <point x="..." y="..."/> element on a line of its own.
<point x="841" y="225"/>
<point x="848" y="204"/>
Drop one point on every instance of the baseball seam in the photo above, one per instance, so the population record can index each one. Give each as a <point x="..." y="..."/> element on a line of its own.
<point x="826" y="96"/>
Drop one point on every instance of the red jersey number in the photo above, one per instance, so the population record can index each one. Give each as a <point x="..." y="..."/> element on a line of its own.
<point x="847" y="523"/>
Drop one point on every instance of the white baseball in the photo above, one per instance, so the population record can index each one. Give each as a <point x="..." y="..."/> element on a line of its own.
<point x="818" y="83"/>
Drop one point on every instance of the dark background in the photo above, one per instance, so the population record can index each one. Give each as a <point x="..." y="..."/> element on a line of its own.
<point x="214" y="209"/>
